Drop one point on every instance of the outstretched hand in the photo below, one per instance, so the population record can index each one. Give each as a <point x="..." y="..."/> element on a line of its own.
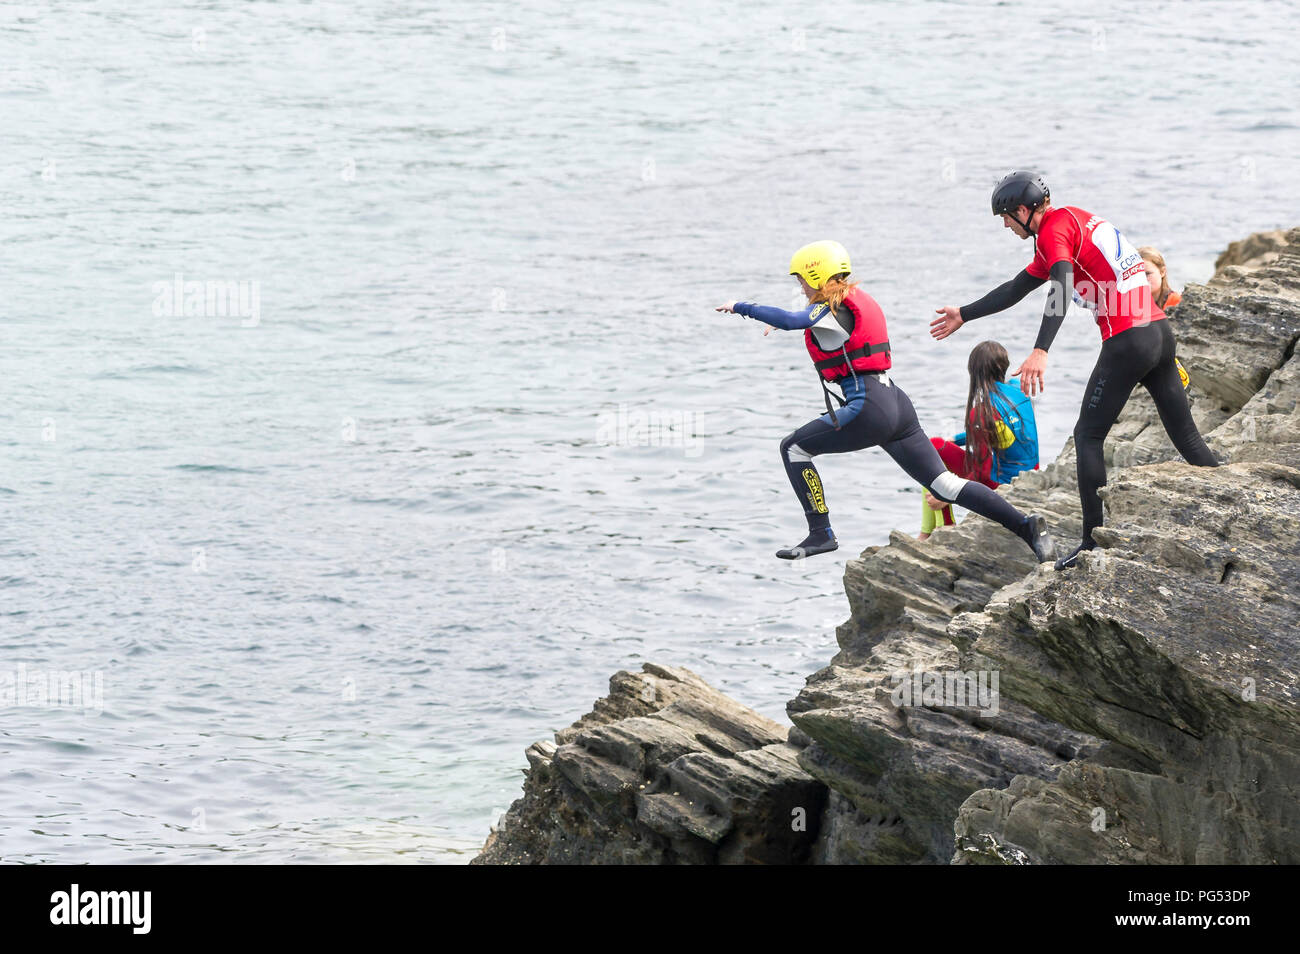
<point x="1032" y="372"/>
<point x="730" y="308"/>
<point x="949" y="321"/>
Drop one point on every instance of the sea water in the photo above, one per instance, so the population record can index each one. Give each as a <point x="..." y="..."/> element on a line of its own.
<point x="365" y="406"/>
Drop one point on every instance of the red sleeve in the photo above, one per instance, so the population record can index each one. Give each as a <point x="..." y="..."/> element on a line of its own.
<point x="1057" y="240"/>
<point x="1036" y="266"/>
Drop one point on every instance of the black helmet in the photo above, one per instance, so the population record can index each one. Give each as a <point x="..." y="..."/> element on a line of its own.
<point x="1017" y="189"/>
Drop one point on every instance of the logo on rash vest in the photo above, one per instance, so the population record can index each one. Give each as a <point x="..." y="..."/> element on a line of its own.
<point x="815" y="497"/>
<point x="1124" y="259"/>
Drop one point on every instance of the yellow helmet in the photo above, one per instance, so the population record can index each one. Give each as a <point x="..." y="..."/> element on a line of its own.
<point x="820" y="261"/>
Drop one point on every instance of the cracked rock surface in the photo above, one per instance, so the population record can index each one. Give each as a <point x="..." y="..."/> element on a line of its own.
<point x="664" y="770"/>
<point x="1146" y="701"/>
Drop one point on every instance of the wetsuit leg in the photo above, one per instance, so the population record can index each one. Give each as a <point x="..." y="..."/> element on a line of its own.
<point x="912" y="451"/>
<point x="932" y="519"/>
<point x="928" y="522"/>
<point x="952" y="455"/>
<point x="799" y="468"/>
<point x="954" y="458"/>
<point x="1125" y="359"/>
<point x="1166" y="388"/>
<point x="861" y="426"/>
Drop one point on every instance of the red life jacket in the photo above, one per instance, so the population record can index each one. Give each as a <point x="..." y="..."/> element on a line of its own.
<point x="868" y="344"/>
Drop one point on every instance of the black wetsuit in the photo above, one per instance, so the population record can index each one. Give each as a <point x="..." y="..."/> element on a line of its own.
<point x="880" y="414"/>
<point x="1143" y="354"/>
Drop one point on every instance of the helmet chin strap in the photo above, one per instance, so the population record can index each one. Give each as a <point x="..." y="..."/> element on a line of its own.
<point x="1025" y="224"/>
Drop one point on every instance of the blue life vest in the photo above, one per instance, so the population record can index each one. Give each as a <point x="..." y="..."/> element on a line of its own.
<point x="1017" y="412"/>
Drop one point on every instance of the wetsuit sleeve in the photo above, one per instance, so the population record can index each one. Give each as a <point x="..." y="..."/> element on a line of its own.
<point x="1002" y="297"/>
<point x="776" y="317"/>
<point x="1058" y="297"/>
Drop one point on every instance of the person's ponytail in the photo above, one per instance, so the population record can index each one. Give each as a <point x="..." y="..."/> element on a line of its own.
<point x="987" y="365"/>
<point x="834" y="291"/>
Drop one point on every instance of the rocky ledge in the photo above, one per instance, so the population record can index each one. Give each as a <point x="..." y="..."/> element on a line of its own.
<point x="664" y="770"/>
<point x="1141" y="708"/>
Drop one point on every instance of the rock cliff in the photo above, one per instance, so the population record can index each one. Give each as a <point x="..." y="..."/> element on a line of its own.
<point x="1141" y="708"/>
<point x="664" y="770"/>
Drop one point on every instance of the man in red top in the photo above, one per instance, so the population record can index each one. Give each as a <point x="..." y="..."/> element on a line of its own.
<point x="1088" y="259"/>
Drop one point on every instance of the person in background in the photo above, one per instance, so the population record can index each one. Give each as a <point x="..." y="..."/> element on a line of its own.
<point x="1001" y="439"/>
<point x="1166" y="298"/>
<point x="1158" y="279"/>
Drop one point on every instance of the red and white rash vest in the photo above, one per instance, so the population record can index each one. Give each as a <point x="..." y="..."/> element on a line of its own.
<point x="1109" y="274"/>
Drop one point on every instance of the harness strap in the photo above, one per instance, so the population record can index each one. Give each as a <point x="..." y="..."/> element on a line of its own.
<point x="865" y="351"/>
<point x="827" y="393"/>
